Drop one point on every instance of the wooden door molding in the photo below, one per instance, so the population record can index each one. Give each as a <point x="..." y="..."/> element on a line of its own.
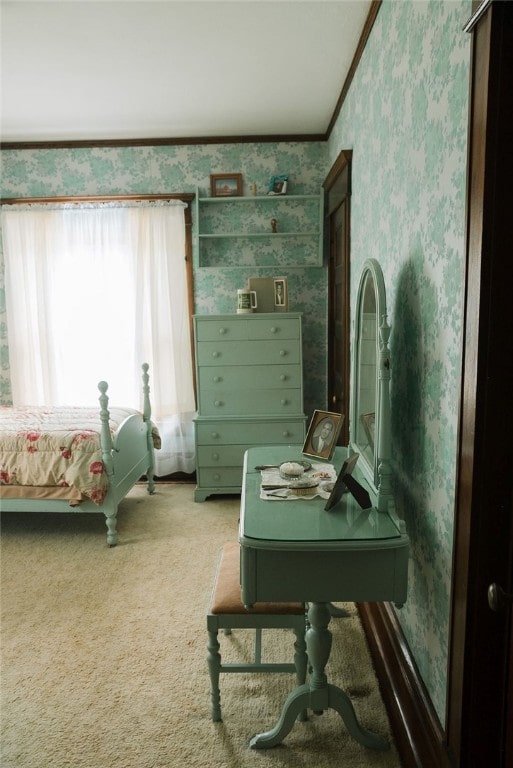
<point x="337" y="187"/>
<point x="338" y="166"/>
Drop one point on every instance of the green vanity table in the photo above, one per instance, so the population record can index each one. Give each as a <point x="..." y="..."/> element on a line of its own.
<point x="292" y="550"/>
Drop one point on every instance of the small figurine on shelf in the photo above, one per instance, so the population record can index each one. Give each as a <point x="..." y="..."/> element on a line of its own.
<point x="274" y="225"/>
<point x="278" y="185"/>
<point x="254" y="189"/>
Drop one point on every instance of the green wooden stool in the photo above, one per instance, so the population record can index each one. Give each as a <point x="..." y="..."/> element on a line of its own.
<point x="227" y="612"/>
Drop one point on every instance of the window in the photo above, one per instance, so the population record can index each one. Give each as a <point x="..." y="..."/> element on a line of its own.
<point x="92" y="292"/>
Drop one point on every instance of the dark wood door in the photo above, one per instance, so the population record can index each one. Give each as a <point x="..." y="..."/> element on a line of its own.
<point x="337" y="189"/>
<point x="480" y="705"/>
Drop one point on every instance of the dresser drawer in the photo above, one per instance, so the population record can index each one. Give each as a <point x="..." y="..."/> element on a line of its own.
<point x="240" y="402"/>
<point x="275" y="326"/>
<point x="240" y="432"/>
<point x="230" y="377"/>
<point x="219" y="477"/>
<point x="271" y="352"/>
<point x="221" y="455"/>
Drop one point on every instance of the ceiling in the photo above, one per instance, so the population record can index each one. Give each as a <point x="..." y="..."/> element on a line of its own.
<point x="86" y="70"/>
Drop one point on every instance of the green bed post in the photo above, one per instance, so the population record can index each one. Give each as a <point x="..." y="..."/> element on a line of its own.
<point x="147" y="419"/>
<point x="109" y="510"/>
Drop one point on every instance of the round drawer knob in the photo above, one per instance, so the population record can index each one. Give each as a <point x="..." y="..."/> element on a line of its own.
<point x="217" y="379"/>
<point x="217" y="476"/>
<point x="286" y="433"/>
<point x="284" y="401"/>
<point x="215" y="354"/>
<point x="214" y="435"/>
<point x="273" y="329"/>
<point x="283" y="352"/>
<point x="218" y="403"/>
<point x="215" y="457"/>
<point x="222" y="331"/>
<point x="283" y="377"/>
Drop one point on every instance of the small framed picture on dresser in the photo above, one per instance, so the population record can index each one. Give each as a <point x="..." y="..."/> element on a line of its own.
<point x="281" y="295"/>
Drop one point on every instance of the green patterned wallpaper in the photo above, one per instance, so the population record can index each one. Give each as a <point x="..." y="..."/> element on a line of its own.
<point x="152" y="170"/>
<point x="405" y="119"/>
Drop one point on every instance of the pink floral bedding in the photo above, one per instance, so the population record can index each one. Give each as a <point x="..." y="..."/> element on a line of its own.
<point x="56" y="447"/>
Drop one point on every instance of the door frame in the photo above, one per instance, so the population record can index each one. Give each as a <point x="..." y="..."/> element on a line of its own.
<point x="332" y="202"/>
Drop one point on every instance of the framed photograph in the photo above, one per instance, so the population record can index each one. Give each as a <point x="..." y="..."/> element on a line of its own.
<point x="322" y="434"/>
<point x="369" y="425"/>
<point x="264" y="288"/>
<point x="340" y="486"/>
<point x="281" y="299"/>
<point x="226" y="184"/>
<point x="278" y="185"/>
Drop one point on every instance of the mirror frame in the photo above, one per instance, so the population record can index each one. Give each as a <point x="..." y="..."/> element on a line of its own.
<point x="370" y="268"/>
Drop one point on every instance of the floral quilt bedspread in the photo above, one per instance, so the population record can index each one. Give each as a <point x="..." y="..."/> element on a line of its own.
<point x="56" y="447"/>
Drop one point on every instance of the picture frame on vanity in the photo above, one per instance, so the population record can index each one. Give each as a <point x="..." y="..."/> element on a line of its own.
<point x="322" y="434"/>
<point x="226" y="184"/>
<point x="345" y="482"/>
<point x="281" y="294"/>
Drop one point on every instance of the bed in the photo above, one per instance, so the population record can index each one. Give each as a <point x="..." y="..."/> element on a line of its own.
<point x="76" y="459"/>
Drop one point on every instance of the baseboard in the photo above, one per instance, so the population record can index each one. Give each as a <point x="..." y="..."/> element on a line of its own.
<point x="418" y="733"/>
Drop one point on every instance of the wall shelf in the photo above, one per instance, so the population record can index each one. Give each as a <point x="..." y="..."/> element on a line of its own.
<point x="238" y="231"/>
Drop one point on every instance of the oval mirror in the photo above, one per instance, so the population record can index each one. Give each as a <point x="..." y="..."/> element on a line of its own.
<point x="365" y="425"/>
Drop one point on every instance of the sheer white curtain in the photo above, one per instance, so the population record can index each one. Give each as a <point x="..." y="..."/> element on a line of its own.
<point x="92" y="292"/>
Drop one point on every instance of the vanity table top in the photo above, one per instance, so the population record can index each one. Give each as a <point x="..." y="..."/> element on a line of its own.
<point x="303" y="523"/>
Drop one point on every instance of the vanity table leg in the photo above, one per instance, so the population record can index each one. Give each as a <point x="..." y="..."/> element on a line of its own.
<point x="317" y="694"/>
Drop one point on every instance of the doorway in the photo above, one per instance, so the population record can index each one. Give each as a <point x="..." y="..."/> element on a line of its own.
<point x="337" y="189"/>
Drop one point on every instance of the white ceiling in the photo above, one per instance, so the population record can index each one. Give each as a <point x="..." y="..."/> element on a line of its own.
<point x="134" y="69"/>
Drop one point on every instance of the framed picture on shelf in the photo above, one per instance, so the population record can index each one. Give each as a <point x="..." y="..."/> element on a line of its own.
<point x="281" y="297"/>
<point x="226" y="184"/>
<point x="278" y="185"/>
<point x="322" y="434"/>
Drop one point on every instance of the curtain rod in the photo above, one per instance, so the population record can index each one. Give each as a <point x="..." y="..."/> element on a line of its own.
<point x="185" y="197"/>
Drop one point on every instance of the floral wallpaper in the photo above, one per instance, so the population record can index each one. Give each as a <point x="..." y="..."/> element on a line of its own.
<point x="405" y="118"/>
<point x="160" y="169"/>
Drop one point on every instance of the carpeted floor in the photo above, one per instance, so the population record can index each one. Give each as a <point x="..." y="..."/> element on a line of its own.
<point x="104" y="650"/>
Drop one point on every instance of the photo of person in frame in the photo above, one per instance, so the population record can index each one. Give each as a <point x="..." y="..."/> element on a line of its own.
<point x="322" y="434"/>
<point x="279" y="293"/>
<point x="322" y="438"/>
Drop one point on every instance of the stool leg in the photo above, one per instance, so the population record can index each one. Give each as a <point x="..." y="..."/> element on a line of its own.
<point x="258" y="645"/>
<point x="214" y="668"/>
<point x="300" y="662"/>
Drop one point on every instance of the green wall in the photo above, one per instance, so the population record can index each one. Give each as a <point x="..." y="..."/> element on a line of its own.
<point x="405" y="118"/>
<point x="152" y="170"/>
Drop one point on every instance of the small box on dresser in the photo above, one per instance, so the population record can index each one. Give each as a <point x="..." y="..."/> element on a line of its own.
<point x="249" y="373"/>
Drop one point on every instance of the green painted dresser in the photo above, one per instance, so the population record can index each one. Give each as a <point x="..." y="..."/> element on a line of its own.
<point x="249" y="376"/>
